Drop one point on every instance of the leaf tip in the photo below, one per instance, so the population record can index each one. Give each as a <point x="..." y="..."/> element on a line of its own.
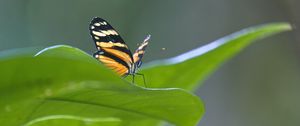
<point x="284" y="26"/>
<point x="293" y="26"/>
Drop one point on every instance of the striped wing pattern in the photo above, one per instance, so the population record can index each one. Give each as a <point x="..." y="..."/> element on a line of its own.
<point x="140" y="51"/>
<point x="112" y="50"/>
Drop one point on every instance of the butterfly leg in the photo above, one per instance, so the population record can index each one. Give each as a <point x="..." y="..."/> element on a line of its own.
<point x="133" y="78"/>
<point x="143" y="79"/>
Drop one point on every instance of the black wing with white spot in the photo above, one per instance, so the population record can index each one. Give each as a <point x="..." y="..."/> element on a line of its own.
<point x="112" y="50"/>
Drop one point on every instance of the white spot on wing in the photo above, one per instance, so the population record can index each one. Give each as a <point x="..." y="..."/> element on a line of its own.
<point x="98" y="33"/>
<point x="97" y="38"/>
<point x="104" y="32"/>
<point x="97" y="24"/>
<point x="113" y="32"/>
<point x="109" y="32"/>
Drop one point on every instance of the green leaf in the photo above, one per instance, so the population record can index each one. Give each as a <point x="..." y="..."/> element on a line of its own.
<point x="62" y="83"/>
<point x="188" y="70"/>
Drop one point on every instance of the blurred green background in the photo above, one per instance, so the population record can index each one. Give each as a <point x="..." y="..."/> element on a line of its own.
<point x="259" y="87"/>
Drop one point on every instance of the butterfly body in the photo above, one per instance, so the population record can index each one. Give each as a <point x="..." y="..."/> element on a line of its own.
<point x="112" y="51"/>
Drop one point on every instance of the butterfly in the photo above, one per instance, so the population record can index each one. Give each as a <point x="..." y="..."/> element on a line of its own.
<point x="113" y="52"/>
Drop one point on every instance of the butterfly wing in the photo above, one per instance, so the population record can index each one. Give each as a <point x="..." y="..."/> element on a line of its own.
<point x="140" y="51"/>
<point x="112" y="50"/>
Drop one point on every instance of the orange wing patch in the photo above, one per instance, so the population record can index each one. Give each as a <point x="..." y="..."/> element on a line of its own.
<point x="110" y="44"/>
<point x="112" y="64"/>
<point x="136" y="57"/>
<point x="122" y="55"/>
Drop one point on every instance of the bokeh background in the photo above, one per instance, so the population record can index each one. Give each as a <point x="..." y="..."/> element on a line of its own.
<point x="259" y="87"/>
